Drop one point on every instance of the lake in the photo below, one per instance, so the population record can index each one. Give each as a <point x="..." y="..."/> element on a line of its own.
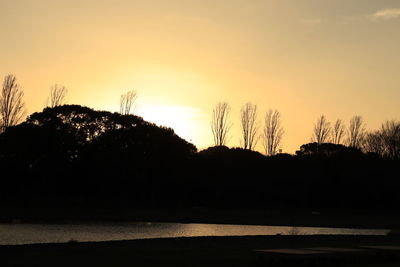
<point x="16" y="234"/>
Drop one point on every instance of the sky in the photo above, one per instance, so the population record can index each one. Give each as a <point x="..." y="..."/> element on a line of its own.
<point x="304" y="58"/>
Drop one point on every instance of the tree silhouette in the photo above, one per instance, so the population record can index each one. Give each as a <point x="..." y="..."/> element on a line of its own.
<point x="83" y="134"/>
<point x="12" y="106"/>
<point x="373" y="143"/>
<point x="356" y="132"/>
<point x="220" y="124"/>
<point x="57" y="96"/>
<point x="337" y="132"/>
<point x="84" y="123"/>
<point x="127" y="101"/>
<point x="248" y="119"/>
<point x="390" y="134"/>
<point x="273" y="132"/>
<point x="322" y="130"/>
<point x="328" y="150"/>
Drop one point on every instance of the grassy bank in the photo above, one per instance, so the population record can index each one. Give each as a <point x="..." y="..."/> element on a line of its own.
<point x="202" y="251"/>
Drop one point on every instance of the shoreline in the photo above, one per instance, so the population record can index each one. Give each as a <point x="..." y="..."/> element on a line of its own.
<point x="187" y="251"/>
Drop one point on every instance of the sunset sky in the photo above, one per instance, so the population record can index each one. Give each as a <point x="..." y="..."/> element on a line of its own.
<point x="303" y="57"/>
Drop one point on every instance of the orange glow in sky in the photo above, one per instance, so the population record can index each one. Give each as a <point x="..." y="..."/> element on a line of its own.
<point x="305" y="58"/>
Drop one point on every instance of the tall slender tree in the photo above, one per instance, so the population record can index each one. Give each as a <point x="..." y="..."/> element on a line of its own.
<point x="220" y="124"/>
<point x="322" y="130"/>
<point x="273" y="132"/>
<point x="12" y="106"/>
<point x="249" y="125"/>
<point x="356" y="132"/>
<point x="338" y="132"/>
<point x="127" y="101"/>
<point x="57" y="96"/>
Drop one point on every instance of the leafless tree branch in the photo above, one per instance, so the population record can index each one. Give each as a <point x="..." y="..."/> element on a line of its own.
<point x="338" y="132"/>
<point x="12" y="106"/>
<point x="273" y="132"/>
<point x="127" y="101"/>
<point x="373" y="142"/>
<point x="220" y="124"/>
<point x="390" y="133"/>
<point x="356" y="132"/>
<point x="249" y="125"/>
<point x="322" y="130"/>
<point x="57" y="95"/>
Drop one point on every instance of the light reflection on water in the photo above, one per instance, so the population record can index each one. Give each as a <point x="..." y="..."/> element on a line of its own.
<point x="14" y="234"/>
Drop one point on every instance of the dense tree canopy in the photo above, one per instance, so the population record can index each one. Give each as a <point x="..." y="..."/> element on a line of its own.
<point x="90" y="127"/>
<point x="328" y="150"/>
<point x="77" y="147"/>
<point x="73" y="154"/>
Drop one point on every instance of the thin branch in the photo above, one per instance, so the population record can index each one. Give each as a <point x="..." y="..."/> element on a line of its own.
<point x="220" y="124"/>
<point x="12" y="106"/>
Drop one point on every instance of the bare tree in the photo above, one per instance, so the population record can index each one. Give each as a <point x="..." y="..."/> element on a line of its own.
<point x="373" y="142"/>
<point x="385" y="141"/>
<point x="322" y="130"/>
<point x="57" y="96"/>
<point x="12" y="106"/>
<point x="248" y="118"/>
<point x="220" y="124"/>
<point x="338" y="132"/>
<point x="127" y="101"/>
<point x="356" y="132"/>
<point x="273" y="132"/>
<point x="390" y="134"/>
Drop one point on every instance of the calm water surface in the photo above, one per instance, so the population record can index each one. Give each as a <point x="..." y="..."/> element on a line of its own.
<point x="15" y="234"/>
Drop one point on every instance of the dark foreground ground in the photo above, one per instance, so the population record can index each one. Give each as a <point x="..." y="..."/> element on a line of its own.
<point x="206" y="251"/>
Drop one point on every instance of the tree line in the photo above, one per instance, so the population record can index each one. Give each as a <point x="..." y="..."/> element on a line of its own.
<point x="272" y="131"/>
<point x="73" y="156"/>
<point x="384" y="141"/>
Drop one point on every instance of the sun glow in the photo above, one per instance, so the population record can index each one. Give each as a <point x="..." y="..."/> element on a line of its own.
<point x="180" y="118"/>
<point x="183" y="57"/>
